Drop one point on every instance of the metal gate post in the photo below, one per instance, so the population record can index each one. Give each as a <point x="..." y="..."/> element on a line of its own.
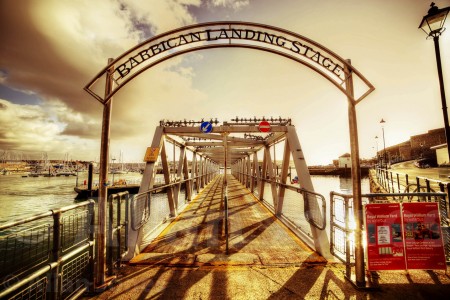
<point x="103" y="176"/>
<point x="356" y="181"/>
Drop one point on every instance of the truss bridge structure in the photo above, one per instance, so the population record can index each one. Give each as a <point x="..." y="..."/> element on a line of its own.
<point x="264" y="154"/>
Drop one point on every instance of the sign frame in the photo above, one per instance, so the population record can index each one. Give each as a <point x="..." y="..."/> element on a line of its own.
<point x="151" y="154"/>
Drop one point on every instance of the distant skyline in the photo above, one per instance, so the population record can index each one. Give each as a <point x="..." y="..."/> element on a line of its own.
<point x="51" y="49"/>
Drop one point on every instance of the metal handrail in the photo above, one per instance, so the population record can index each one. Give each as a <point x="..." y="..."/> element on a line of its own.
<point x="116" y="231"/>
<point x="154" y="189"/>
<point x="43" y="215"/>
<point x="225" y="199"/>
<point x="62" y="284"/>
<point x="304" y="192"/>
<point x="147" y="194"/>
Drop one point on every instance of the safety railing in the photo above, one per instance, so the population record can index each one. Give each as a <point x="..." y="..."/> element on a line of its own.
<point x="395" y="182"/>
<point x="342" y="224"/>
<point x="301" y="208"/>
<point x="151" y="209"/>
<point x="226" y="219"/>
<point x="48" y="255"/>
<point x="117" y="246"/>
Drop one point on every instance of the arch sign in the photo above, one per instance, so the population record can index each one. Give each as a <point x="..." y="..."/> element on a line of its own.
<point x="261" y="37"/>
<point x="228" y="34"/>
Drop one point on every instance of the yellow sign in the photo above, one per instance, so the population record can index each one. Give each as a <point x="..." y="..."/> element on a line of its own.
<point x="151" y="155"/>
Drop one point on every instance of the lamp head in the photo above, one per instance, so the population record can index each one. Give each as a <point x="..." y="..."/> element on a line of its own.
<point x="433" y="23"/>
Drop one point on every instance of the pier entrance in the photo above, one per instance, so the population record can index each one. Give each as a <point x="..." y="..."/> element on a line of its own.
<point x="230" y="198"/>
<point x="338" y="71"/>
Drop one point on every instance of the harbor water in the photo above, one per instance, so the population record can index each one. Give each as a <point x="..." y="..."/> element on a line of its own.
<point x="24" y="196"/>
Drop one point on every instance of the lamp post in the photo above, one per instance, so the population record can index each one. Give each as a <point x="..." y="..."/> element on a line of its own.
<point x="384" y="144"/>
<point x="376" y="143"/>
<point x="433" y="25"/>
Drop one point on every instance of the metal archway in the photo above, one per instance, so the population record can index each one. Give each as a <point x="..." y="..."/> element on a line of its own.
<point x="285" y="43"/>
<point x="212" y="35"/>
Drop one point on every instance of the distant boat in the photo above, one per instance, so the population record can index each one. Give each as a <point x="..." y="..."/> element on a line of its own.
<point x="65" y="173"/>
<point x="84" y="193"/>
<point x="116" y="171"/>
<point x="66" y="168"/>
<point x="44" y="168"/>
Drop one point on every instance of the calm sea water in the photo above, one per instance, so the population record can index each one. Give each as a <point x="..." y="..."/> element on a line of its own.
<point x="21" y="197"/>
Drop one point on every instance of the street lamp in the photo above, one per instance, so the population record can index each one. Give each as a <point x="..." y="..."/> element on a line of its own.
<point x="376" y="142"/>
<point x="384" y="144"/>
<point x="433" y="25"/>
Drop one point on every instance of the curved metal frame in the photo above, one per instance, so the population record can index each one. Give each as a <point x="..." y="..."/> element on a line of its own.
<point x="245" y="43"/>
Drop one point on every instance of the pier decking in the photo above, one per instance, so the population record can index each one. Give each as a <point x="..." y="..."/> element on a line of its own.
<point x="196" y="236"/>
<point x="266" y="261"/>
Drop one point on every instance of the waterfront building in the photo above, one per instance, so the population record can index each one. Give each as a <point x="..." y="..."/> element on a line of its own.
<point x="441" y="154"/>
<point x="417" y="147"/>
<point x="345" y="161"/>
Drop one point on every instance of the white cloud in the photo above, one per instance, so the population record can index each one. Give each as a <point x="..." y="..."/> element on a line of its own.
<point x="235" y="4"/>
<point x="52" y="48"/>
<point x="161" y="15"/>
<point x="34" y="129"/>
<point x="70" y="43"/>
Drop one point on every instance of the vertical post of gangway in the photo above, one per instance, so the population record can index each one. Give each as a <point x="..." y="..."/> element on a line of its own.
<point x="224" y="189"/>
<point x="356" y="179"/>
<point x="103" y="176"/>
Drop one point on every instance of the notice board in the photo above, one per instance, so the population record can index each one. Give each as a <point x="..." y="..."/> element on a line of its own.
<point x="423" y="236"/>
<point x="404" y="236"/>
<point x="385" y="247"/>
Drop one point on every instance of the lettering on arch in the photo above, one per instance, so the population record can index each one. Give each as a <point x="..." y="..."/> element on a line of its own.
<point x="228" y="34"/>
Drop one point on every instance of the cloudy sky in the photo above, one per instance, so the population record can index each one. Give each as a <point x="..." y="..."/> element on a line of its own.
<point x="50" y="49"/>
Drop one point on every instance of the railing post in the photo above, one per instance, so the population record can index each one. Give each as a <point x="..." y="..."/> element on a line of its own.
<point x="407" y="179"/>
<point x="418" y="186"/>
<point x="398" y="183"/>
<point x="391" y="182"/>
<point x="427" y="182"/>
<point x="332" y="214"/>
<point x="348" y="268"/>
<point x="55" y="290"/>
<point x="109" y="245"/>
<point x="91" y="269"/>
<point x="226" y="223"/>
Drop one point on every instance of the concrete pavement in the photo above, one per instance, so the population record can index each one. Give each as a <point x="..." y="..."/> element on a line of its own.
<point x="306" y="281"/>
<point x="408" y="167"/>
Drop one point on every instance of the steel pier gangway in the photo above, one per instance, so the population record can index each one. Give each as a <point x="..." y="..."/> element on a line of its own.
<point x="225" y="187"/>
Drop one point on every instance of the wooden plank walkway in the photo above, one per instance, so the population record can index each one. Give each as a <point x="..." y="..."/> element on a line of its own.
<point x="187" y="261"/>
<point x="196" y="236"/>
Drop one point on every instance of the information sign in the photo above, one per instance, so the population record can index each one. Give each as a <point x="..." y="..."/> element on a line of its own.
<point x="206" y="127"/>
<point x="264" y="126"/>
<point x="423" y="236"/>
<point x="385" y="247"/>
<point x="151" y="155"/>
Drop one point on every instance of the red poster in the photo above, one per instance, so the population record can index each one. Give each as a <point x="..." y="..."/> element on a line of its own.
<point x="423" y="236"/>
<point x="385" y="248"/>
